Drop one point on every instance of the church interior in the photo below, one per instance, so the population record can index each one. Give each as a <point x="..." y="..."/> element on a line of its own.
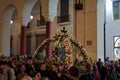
<point x="26" y="23"/>
<point x="59" y="39"/>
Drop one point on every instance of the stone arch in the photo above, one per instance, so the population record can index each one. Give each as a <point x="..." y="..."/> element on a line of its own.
<point x="27" y="11"/>
<point x="6" y="29"/>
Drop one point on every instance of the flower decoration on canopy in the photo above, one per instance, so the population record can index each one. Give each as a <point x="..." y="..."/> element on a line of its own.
<point x="62" y="39"/>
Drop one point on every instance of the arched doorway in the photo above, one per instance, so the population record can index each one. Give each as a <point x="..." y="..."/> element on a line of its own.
<point x="32" y="7"/>
<point x="35" y="32"/>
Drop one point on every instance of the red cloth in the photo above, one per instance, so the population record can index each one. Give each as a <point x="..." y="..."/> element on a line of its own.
<point x="97" y="75"/>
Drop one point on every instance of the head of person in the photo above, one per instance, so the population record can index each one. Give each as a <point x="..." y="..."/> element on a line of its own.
<point x="21" y="68"/>
<point x="4" y="65"/>
<point x="74" y="72"/>
<point x="95" y="68"/>
<point x="99" y="59"/>
<point x="14" y="60"/>
<point x="24" y="77"/>
<point x="88" y="66"/>
<point x="112" y="69"/>
<point x="105" y="64"/>
<point x="42" y="66"/>
<point x="55" y="67"/>
<point x="30" y="61"/>
<point x="36" y="75"/>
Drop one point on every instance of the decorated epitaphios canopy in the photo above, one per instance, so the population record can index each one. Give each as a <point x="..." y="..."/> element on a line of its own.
<point x="62" y="44"/>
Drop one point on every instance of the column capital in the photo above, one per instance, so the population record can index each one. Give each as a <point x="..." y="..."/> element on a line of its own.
<point x="49" y="10"/>
<point x="49" y="17"/>
<point x="23" y="22"/>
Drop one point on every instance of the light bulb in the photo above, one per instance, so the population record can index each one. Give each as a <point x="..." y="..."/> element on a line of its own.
<point x="31" y="17"/>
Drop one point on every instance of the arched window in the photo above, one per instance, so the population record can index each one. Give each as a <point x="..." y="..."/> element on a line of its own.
<point x="117" y="47"/>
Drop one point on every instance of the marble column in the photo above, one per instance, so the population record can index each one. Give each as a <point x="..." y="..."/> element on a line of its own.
<point x="49" y="11"/>
<point x="48" y="32"/>
<point x="48" y="29"/>
<point x="33" y="35"/>
<point x="23" y="40"/>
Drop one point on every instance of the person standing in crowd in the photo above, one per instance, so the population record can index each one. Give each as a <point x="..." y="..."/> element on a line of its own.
<point x="6" y="73"/>
<point x="96" y="73"/>
<point x="104" y="71"/>
<point x="107" y="59"/>
<point x="88" y="73"/>
<point x="29" y="66"/>
<point x="36" y="75"/>
<point x="21" y="69"/>
<point x="99" y="64"/>
<point x="74" y="73"/>
<point x="13" y="65"/>
<point x="112" y="75"/>
<point x="25" y="77"/>
<point x="54" y="72"/>
<point x="117" y="66"/>
<point x="45" y="73"/>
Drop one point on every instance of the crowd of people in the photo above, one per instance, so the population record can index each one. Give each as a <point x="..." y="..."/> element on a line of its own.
<point x="29" y="68"/>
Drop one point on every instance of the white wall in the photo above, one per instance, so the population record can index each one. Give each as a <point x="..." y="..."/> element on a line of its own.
<point x="100" y="28"/>
<point x="104" y="15"/>
<point x="112" y="29"/>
